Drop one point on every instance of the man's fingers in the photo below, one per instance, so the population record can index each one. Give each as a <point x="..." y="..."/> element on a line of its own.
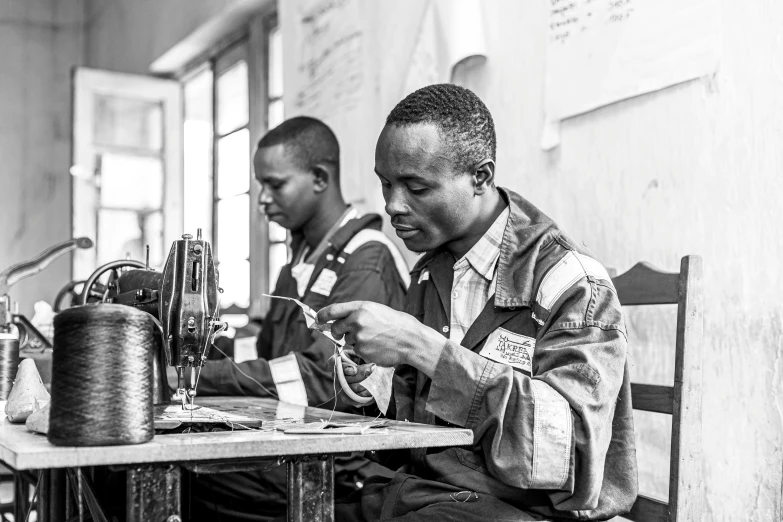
<point x="340" y="328"/>
<point x="337" y="311"/>
<point x="360" y="390"/>
<point x="358" y="374"/>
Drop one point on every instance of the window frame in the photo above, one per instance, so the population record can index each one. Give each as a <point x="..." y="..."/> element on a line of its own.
<point x="253" y="36"/>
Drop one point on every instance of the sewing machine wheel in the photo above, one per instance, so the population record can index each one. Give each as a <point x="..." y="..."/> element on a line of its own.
<point x="70" y="294"/>
<point x="93" y="288"/>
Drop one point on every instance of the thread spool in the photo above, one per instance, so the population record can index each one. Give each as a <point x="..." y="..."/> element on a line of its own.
<point x="102" y="379"/>
<point x="9" y="362"/>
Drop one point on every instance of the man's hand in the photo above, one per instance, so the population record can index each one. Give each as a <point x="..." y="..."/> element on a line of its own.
<point x="383" y="335"/>
<point x="354" y="374"/>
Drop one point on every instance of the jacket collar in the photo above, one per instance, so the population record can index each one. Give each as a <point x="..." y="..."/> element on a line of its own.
<point x="523" y="237"/>
<point x="485" y="253"/>
<point x="344" y="234"/>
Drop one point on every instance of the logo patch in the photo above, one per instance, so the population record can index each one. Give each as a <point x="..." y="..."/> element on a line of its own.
<point x="325" y="282"/>
<point x="510" y="348"/>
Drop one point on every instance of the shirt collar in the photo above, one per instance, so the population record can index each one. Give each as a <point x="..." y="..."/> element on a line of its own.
<point x="484" y="255"/>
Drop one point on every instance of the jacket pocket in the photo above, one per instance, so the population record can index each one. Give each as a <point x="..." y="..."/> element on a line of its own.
<point x="470" y="459"/>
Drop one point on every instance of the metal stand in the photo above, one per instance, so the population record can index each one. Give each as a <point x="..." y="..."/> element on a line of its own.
<point x="311" y="489"/>
<point x="50" y="504"/>
<point x="21" y="495"/>
<point x="154" y="494"/>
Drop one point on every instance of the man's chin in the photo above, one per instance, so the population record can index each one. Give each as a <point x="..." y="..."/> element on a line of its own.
<point x="417" y="245"/>
<point x="280" y="220"/>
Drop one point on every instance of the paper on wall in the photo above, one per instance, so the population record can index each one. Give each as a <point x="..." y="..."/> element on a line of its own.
<point x="603" y="51"/>
<point x="330" y="75"/>
<point x="450" y="32"/>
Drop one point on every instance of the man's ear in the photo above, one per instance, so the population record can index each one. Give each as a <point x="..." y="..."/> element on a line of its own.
<point x="483" y="176"/>
<point x="322" y="177"/>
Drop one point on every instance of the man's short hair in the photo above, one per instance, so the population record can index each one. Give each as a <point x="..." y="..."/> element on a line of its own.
<point x="461" y="117"/>
<point x="308" y="141"/>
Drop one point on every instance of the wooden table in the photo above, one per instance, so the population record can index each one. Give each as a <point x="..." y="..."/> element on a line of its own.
<point x="154" y="468"/>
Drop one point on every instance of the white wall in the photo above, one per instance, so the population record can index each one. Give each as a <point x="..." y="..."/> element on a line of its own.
<point x="39" y="42"/>
<point x="694" y="169"/>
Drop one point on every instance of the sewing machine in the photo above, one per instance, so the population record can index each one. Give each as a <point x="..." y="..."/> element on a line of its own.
<point x="29" y="336"/>
<point x="184" y="298"/>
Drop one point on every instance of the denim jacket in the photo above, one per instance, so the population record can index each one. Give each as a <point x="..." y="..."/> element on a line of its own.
<point x="540" y="377"/>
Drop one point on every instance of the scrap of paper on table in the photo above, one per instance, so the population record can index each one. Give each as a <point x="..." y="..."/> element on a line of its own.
<point x="379" y="383"/>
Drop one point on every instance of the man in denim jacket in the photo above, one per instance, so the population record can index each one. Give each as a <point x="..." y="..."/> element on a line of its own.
<point x="512" y="330"/>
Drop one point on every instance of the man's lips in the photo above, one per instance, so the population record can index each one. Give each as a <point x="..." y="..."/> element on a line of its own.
<point x="405" y="232"/>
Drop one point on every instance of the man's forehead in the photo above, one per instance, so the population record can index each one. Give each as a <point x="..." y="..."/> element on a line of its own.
<point x="403" y="147"/>
<point x="416" y="138"/>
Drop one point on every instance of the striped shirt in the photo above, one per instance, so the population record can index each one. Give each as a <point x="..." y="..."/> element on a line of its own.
<point x="474" y="279"/>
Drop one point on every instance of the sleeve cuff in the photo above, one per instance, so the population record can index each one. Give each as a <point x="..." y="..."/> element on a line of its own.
<point x="458" y="385"/>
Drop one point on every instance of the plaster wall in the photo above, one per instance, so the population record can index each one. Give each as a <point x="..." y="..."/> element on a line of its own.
<point x="693" y="169"/>
<point x="39" y="42"/>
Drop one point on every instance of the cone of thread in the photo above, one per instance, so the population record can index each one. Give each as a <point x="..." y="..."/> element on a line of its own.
<point x="9" y="363"/>
<point x="102" y="376"/>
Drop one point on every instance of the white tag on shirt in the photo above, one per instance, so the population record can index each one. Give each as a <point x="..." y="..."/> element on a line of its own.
<point x="302" y="273"/>
<point x="424" y="276"/>
<point x="245" y="349"/>
<point x="510" y="348"/>
<point x="325" y="282"/>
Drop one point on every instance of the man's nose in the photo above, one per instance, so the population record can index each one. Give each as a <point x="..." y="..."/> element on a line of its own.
<point x="264" y="198"/>
<point x="395" y="203"/>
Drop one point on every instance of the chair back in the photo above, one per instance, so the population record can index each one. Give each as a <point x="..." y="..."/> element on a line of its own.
<point x="645" y="285"/>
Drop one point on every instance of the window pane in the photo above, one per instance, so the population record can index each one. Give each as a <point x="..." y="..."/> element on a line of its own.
<point x="124" y="122"/>
<point x="198" y="96"/>
<point x="132" y="182"/>
<point x="234" y="278"/>
<point x="119" y="235"/>
<point x="234" y="228"/>
<point x="232" y="102"/>
<point x="152" y="228"/>
<point x="197" y="145"/>
<point x="275" y="114"/>
<point x="198" y="177"/>
<point x="278" y="257"/>
<point x="234" y="164"/>
<point x="277" y="234"/>
<point x="275" y="63"/>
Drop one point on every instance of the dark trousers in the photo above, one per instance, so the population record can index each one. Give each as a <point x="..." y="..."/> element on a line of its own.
<point x="260" y="496"/>
<point x="410" y="498"/>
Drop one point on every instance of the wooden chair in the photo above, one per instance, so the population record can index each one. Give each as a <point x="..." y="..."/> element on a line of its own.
<point x="645" y="285"/>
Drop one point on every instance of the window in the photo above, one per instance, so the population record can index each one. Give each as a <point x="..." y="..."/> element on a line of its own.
<point x="278" y="249"/>
<point x="126" y="170"/>
<point x="219" y="142"/>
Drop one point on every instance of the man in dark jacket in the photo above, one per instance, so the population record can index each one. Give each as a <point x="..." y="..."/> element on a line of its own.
<point x="337" y="256"/>
<point x="512" y="330"/>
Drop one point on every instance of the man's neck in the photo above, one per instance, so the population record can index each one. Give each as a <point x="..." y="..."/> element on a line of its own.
<point x="322" y="221"/>
<point x="491" y="208"/>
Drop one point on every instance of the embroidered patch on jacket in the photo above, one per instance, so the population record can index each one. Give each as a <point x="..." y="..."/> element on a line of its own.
<point x="325" y="282"/>
<point x="424" y="276"/>
<point x="510" y="348"/>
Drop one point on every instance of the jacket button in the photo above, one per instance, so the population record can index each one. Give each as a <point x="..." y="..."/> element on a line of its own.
<point x="445" y="329"/>
<point x="512" y="307"/>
